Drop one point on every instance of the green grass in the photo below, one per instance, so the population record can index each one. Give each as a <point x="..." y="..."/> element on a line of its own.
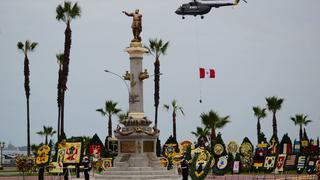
<point x="12" y="171"/>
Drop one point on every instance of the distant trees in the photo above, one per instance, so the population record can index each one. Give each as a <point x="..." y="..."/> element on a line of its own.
<point x="47" y="131"/>
<point x="213" y="121"/>
<point x="175" y="109"/>
<point x="274" y="104"/>
<point x="28" y="46"/>
<point x="259" y="113"/>
<point x="109" y="110"/>
<point x="300" y="120"/>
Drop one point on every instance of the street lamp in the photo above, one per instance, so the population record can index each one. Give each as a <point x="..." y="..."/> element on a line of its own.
<point x="124" y="79"/>
<point x="1" y="148"/>
<point x="121" y="79"/>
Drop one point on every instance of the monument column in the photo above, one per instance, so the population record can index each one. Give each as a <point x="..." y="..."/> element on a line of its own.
<point x="136" y="77"/>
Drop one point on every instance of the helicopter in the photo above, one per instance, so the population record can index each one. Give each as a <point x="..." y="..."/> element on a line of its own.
<point x="198" y="8"/>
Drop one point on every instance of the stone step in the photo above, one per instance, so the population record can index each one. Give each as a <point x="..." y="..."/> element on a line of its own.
<point x="140" y="169"/>
<point x="153" y="172"/>
<point x="138" y="177"/>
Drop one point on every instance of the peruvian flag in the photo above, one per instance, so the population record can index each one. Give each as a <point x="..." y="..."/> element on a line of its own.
<point x="207" y="73"/>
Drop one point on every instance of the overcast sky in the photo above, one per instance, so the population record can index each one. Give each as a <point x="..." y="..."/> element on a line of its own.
<point x="260" y="49"/>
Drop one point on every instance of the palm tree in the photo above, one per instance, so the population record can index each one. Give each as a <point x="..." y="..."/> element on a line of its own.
<point x="66" y="13"/>
<point x="175" y="109"/>
<point x="157" y="48"/>
<point x="110" y="110"/>
<point x="213" y="121"/>
<point x="123" y="116"/>
<point x="47" y="131"/>
<point x="259" y="113"/>
<point x="28" y="46"/>
<point x="60" y="90"/>
<point x="300" y="119"/>
<point x="274" y="104"/>
<point x="201" y="132"/>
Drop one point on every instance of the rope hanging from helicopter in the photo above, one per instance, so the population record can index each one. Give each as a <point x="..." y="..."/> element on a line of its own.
<point x="197" y="56"/>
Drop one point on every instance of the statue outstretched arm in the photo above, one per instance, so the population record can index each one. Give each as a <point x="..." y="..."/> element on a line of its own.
<point x="126" y="13"/>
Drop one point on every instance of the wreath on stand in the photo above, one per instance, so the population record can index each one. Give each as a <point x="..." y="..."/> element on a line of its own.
<point x="201" y="174"/>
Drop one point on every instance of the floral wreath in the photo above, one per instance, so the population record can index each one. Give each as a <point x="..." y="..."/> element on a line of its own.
<point x="43" y="155"/>
<point x="201" y="175"/>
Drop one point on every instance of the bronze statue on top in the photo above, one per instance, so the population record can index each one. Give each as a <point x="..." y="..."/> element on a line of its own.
<point x="136" y="24"/>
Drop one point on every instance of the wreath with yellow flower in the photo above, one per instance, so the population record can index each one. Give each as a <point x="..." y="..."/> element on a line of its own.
<point x="43" y="154"/>
<point x="205" y="158"/>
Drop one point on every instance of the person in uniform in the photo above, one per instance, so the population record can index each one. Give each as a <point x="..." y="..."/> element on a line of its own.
<point x="87" y="167"/>
<point x="185" y="169"/>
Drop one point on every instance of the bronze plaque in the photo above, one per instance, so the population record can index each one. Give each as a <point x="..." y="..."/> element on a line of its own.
<point x="128" y="146"/>
<point x="148" y="146"/>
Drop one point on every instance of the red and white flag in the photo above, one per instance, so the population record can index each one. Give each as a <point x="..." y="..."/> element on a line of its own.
<point x="207" y="73"/>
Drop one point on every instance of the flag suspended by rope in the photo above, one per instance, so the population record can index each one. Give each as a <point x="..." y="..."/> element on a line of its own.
<point x="207" y="73"/>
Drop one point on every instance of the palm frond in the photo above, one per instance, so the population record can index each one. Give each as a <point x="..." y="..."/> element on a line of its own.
<point x="20" y="45"/>
<point x="307" y="122"/>
<point x="67" y="6"/>
<point x="166" y="106"/>
<point x="60" y="13"/>
<point x="33" y="46"/>
<point x="181" y="110"/>
<point x="41" y="133"/>
<point x="27" y="45"/>
<point x="60" y="58"/>
<point x="164" y="48"/>
<point x="101" y="111"/>
<point x="75" y="11"/>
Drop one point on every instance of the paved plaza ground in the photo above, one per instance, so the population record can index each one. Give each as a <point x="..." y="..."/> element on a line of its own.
<point x="226" y="177"/>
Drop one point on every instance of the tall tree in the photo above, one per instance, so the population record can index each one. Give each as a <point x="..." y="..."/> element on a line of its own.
<point x="274" y="104"/>
<point x="47" y="131"/>
<point x="28" y="46"/>
<point x="110" y="110"/>
<point x="175" y="109"/>
<point x="213" y="121"/>
<point x="259" y="113"/>
<point x="300" y="120"/>
<point x="60" y="90"/>
<point x="66" y="13"/>
<point x="157" y="48"/>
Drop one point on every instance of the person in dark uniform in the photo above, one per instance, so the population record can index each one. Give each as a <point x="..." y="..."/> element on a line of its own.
<point x="41" y="173"/>
<point x="87" y="167"/>
<point x="185" y="169"/>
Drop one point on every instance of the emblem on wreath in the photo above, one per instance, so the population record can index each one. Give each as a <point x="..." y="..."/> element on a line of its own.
<point x="232" y="147"/>
<point x="245" y="148"/>
<point x="222" y="162"/>
<point x="218" y="149"/>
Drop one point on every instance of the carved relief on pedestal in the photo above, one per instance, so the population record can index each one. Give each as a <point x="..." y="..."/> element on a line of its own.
<point x="127" y="147"/>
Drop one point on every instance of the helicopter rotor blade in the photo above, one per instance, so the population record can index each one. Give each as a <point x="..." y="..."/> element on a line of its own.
<point x="245" y="1"/>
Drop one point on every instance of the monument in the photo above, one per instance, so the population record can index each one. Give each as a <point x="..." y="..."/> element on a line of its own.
<point x="136" y="139"/>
